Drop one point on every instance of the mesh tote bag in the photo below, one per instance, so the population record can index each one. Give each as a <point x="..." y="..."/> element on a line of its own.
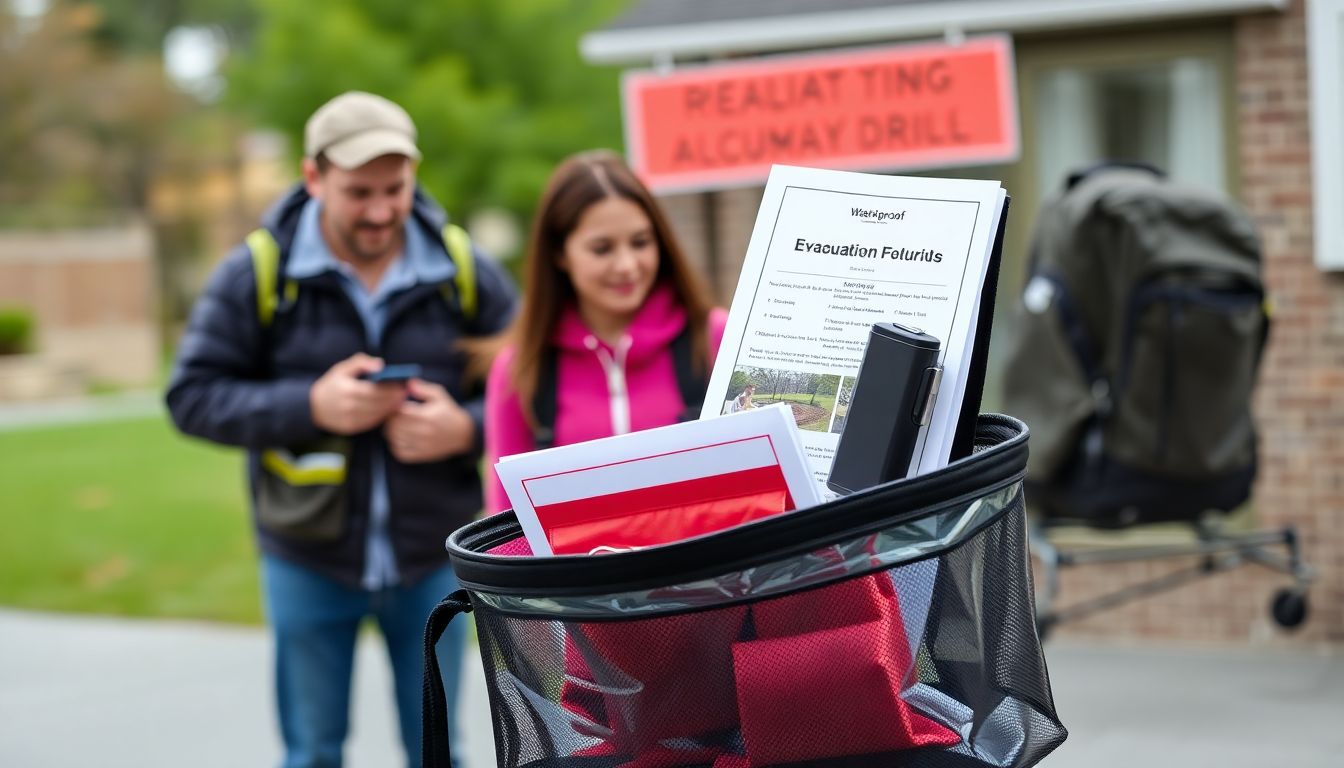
<point x="893" y="627"/>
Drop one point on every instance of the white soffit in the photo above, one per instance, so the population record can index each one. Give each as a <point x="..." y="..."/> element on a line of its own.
<point x="635" y="45"/>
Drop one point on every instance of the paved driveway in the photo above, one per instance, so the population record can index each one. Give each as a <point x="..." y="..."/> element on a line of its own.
<point x="113" y="693"/>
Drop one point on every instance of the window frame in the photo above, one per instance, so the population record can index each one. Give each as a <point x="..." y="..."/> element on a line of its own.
<point x="1325" y="38"/>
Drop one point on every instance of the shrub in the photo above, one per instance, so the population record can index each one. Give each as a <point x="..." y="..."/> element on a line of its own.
<point x="16" y="330"/>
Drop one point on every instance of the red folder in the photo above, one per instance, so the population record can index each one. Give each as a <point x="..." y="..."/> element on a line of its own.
<point x="658" y="498"/>
<point x="642" y="517"/>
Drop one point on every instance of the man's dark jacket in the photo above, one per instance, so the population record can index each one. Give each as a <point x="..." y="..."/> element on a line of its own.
<point x="239" y="383"/>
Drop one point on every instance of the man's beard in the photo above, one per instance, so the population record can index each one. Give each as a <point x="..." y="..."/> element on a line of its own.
<point x="351" y="238"/>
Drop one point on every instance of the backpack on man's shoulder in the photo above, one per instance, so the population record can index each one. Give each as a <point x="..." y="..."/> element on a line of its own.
<point x="1136" y="350"/>
<point x="267" y="267"/>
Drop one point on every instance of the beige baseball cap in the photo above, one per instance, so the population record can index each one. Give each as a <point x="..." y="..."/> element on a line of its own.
<point x="356" y="127"/>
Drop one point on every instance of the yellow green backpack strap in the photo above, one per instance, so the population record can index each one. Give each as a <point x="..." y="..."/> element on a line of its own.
<point x="459" y="250"/>
<point x="266" y="270"/>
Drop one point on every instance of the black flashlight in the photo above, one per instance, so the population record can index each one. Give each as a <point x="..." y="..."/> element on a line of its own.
<point x="892" y="401"/>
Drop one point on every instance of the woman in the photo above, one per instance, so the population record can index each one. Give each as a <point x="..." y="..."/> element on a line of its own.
<point x="608" y="295"/>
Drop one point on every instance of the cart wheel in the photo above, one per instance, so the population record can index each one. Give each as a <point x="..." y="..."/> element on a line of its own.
<point x="1289" y="608"/>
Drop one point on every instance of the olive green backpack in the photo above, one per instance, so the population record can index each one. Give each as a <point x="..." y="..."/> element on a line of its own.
<point x="1135" y="349"/>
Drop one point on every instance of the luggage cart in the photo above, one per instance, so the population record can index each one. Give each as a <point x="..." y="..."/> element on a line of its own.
<point x="1218" y="550"/>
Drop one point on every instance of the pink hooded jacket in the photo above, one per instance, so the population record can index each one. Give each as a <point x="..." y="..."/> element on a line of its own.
<point x="605" y="391"/>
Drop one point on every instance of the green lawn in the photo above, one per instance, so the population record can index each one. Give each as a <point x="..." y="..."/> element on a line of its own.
<point x="125" y="517"/>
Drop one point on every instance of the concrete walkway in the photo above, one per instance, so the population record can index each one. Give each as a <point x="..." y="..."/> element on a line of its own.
<point x="1195" y="708"/>
<point x="80" y="410"/>
<point x="114" y="692"/>
<point x="120" y="693"/>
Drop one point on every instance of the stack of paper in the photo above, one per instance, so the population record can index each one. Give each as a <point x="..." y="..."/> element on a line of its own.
<point x="832" y="253"/>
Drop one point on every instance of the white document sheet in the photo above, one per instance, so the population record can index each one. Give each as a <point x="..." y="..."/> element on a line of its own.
<point x="832" y="253"/>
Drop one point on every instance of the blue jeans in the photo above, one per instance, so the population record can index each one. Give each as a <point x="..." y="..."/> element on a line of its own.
<point x="316" y="620"/>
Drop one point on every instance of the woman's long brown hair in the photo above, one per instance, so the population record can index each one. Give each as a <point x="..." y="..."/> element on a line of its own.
<point x="576" y="184"/>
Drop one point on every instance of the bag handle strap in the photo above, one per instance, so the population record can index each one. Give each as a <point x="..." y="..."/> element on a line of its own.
<point x="690" y="377"/>
<point x="435" y="749"/>
<point x="1075" y="332"/>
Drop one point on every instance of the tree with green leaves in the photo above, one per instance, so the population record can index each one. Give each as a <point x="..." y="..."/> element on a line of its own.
<point x="496" y="87"/>
<point x="738" y="382"/>
<point x="141" y="25"/>
<point x="823" y="385"/>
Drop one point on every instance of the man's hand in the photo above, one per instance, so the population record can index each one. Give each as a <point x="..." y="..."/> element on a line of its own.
<point x="344" y="404"/>
<point x="432" y="429"/>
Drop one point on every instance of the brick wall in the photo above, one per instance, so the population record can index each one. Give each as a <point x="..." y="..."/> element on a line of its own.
<point x="1301" y="399"/>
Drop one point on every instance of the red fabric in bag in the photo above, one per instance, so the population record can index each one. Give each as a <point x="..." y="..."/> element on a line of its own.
<point x="824" y="678"/>
<point x="857" y="601"/>
<point x="664" y="678"/>
<point x="513" y="548"/>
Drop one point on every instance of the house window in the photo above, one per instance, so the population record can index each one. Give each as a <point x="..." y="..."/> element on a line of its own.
<point x="1164" y="113"/>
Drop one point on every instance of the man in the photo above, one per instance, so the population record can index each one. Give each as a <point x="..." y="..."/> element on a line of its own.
<point x="355" y="483"/>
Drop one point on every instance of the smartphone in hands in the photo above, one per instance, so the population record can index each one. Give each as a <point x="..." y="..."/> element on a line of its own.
<point x="398" y="374"/>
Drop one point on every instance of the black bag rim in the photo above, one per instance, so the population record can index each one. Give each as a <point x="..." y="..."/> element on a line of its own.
<point x="1003" y="461"/>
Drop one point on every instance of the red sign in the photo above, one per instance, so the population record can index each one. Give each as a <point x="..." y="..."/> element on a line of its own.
<point x="903" y="107"/>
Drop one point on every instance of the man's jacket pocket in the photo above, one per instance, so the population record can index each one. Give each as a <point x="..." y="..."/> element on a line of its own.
<point x="301" y="491"/>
